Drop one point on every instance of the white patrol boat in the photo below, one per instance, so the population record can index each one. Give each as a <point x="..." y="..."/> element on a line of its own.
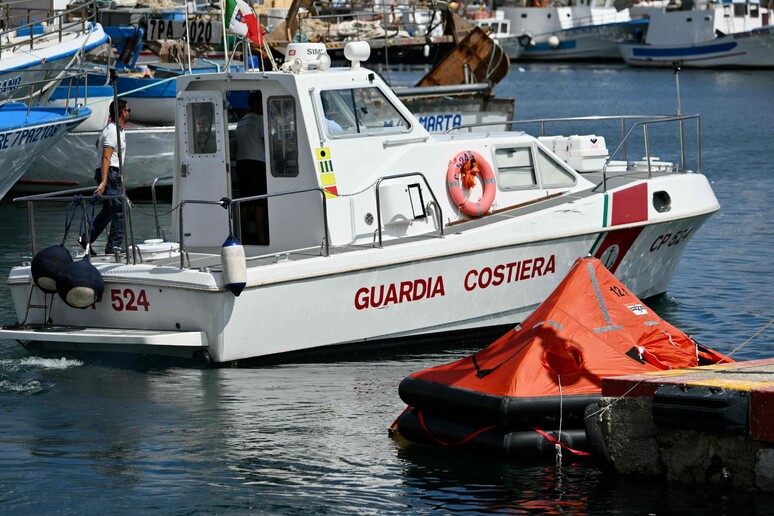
<point x="373" y="229"/>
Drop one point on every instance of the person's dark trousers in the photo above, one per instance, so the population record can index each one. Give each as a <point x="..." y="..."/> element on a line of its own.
<point x="111" y="212"/>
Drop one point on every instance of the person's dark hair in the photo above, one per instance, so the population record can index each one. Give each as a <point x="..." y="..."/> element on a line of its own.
<point x="255" y="97"/>
<point x="121" y="106"/>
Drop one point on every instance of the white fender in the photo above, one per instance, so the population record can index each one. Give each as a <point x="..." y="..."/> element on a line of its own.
<point x="232" y="256"/>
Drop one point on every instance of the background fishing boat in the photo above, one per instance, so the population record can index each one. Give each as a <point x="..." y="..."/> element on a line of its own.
<point x="498" y="27"/>
<point x="405" y="33"/>
<point x="26" y="133"/>
<point x="704" y="34"/>
<point x="35" y="56"/>
<point x="570" y="31"/>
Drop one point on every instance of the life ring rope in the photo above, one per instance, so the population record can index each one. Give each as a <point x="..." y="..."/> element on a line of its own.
<point x="461" y="173"/>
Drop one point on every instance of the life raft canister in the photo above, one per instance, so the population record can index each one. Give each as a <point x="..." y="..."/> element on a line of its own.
<point x="463" y="169"/>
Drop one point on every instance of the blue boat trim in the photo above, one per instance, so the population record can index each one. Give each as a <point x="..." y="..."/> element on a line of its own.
<point x="15" y="116"/>
<point x="542" y="47"/>
<point x="683" y="51"/>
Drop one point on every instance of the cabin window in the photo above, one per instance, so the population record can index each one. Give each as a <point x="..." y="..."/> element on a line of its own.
<point x="202" y="136"/>
<point x="360" y="111"/>
<point x="515" y="168"/>
<point x="552" y="173"/>
<point x="283" y="136"/>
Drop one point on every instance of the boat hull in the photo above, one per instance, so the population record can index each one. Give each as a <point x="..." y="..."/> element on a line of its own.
<point x="50" y="58"/>
<point x="19" y="144"/>
<point x="71" y="162"/>
<point x="352" y="300"/>
<point x="571" y="33"/>
<point x="753" y="49"/>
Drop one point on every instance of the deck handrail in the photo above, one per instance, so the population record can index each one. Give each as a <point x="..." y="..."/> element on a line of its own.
<point x="32" y="101"/>
<point x="59" y="196"/>
<point x="227" y="203"/>
<point x="644" y="124"/>
<point x="640" y="121"/>
<point x="436" y="204"/>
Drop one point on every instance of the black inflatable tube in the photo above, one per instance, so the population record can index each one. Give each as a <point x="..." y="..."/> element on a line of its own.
<point x="497" y="441"/>
<point x="525" y="412"/>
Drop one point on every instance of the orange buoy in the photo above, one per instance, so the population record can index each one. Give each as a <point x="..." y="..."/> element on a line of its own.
<point x="462" y="172"/>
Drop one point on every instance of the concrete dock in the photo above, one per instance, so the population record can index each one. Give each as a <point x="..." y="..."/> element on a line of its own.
<point x="708" y="425"/>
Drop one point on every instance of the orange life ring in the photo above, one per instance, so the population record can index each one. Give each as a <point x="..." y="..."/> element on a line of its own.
<point x="462" y="172"/>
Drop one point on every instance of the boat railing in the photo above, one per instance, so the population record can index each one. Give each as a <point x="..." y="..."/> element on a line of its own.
<point x="645" y="124"/>
<point x="233" y="204"/>
<point x="63" y="21"/>
<point x="626" y="134"/>
<point x="32" y="101"/>
<point x="436" y="205"/>
<point x="78" y="195"/>
<point x="154" y="200"/>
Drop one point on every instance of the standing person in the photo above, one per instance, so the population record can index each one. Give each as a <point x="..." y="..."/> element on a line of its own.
<point x="251" y="171"/>
<point x="108" y="180"/>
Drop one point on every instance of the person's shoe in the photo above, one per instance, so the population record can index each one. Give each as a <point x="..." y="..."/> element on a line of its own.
<point x="83" y="242"/>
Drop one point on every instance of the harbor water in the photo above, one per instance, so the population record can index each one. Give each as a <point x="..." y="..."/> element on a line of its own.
<point x="310" y="437"/>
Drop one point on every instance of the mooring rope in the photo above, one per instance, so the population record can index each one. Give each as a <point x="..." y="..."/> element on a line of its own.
<point x="743" y="344"/>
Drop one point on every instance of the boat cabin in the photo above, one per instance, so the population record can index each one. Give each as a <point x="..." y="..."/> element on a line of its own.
<point x="346" y="162"/>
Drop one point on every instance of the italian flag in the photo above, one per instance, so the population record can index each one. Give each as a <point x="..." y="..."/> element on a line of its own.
<point x="240" y="19"/>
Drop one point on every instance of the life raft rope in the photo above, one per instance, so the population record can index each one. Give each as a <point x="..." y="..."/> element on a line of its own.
<point x="462" y="441"/>
<point x="461" y="173"/>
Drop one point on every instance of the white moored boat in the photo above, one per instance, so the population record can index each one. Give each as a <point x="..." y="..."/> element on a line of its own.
<point x="28" y="132"/>
<point x="36" y="56"/>
<point x="703" y="34"/>
<point x="566" y="31"/>
<point x="371" y="236"/>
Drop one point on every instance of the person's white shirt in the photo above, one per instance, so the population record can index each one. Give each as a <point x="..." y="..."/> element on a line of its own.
<point x="108" y="138"/>
<point x="250" y="144"/>
<point x="333" y="126"/>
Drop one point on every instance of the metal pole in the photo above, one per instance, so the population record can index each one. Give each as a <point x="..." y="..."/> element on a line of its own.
<point x="623" y="135"/>
<point x="31" y="218"/>
<point x="676" y="68"/>
<point x="698" y="144"/>
<point x="114" y="82"/>
<point x="225" y="35"/>
<point x="647" y="150"/>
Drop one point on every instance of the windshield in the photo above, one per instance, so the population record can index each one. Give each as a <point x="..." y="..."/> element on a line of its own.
<point x="360" y="111"/>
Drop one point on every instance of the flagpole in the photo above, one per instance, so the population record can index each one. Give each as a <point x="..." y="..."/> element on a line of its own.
<point x="225" y="39"/>
<point x="187" y="38"/>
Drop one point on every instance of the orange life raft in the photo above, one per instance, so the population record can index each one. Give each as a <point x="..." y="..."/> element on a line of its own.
<point x="462" y="172"/>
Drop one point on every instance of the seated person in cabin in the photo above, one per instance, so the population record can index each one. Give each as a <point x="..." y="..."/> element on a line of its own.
<point x="330" y="114"/>
<point x="251" y="173"/>
<point x="333" y="127"/>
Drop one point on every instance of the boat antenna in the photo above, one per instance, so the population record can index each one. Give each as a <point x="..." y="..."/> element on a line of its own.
<point x="676" y="69"/>
<point x="187" y="36"/>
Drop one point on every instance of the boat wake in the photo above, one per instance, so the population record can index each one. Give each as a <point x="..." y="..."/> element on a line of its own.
<point x="21" y="375"/>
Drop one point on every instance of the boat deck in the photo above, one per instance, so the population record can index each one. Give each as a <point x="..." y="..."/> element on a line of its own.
<point x="211" y="260"/>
